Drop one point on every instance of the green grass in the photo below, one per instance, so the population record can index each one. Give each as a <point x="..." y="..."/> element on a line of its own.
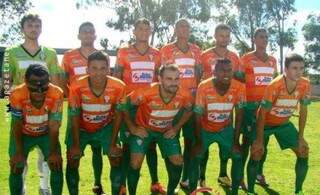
<point x="279" y="167"/>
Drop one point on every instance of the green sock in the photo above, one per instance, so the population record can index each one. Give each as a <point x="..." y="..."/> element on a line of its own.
<point x="174" y="173"/>
<point x="15" y="183"/>
<point x="203" y="165"/>
<point x="133" y="178"/>
<point x="152" y="161"/>
<point x="301" y="172"/>
<point x="115" y="178"/>
<point x="194" y="172"/>
<point x="223" y="165"/>
<point x="72" y="177"/>
<point x="125" y="163"/>
<point x="252" y="168"/>
<point x="236" y="173"/>
<point x="56" y="182"/>
<point x="97" y="164"/>
<point x="264" y="157"/>
<point x="244" y="152"/>
<point x="186" y="162"/>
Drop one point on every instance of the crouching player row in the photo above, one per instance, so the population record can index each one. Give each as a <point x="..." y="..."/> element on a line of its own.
<point x="36" y="109"/>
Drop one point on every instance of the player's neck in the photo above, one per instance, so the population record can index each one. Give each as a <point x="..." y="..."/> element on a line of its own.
<point x="221" y="51"/>
<point x="86" y="50"/>
<point x="37" y="104"/>
<point x="166" y="96"/>
<point x="261" y="53"/>
<point x="221" y="88"/>
<point x="32" y="46"/>
<point x="290" y="84"/>
<point x="182" y="44"/>
<point x="97" y="86"/>
<point x="141" y="46"/>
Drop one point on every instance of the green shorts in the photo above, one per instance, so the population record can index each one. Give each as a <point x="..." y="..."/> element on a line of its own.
<point x="286" y="135"/>
<point x="100" y="138"/>
<point x="30" y="142"/>
<point x="168" y="147"/>
<point x="249" y="119"/>
<point x="124" y="132"/>
<point x="189" y="127"/>
<point x="223" y="138"/>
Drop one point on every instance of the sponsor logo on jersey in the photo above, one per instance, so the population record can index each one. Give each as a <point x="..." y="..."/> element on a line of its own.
<point x="142" y="76"/>
<point x="263" y="80"/>
<point x="282" y="112"/>
<point x="218" y="117"/>
<point x="160" y="123"/>
<point x="186" y="72"/>
<point x="94" y="118"/>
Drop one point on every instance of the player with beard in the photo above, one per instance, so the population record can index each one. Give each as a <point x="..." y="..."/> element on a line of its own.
<point x="158" y="105"/>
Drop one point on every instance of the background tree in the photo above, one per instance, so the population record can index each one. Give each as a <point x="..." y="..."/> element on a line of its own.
<point x="311" y="33"/>
<point x="10" y="13"/>
<point x="162" y="14"/>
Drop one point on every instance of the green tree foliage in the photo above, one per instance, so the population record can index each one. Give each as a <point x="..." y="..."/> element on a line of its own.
<point x="161" y="13"/>
<point x="10" y="13"/>
<point x="311" y="33"/>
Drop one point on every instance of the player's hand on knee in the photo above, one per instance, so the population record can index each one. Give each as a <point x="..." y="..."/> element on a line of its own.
<point x="170" y="133"/>
<point x="55" y="161"/>
<point x="17" y="163"/>
<point x="257" y="150"/>
<point x="139" y="131"/>
<point x="115" y="151"/>
<point x="303" y="148"/>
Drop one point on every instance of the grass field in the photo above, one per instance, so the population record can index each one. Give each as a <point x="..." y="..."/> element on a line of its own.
<point x="279" y="168"/>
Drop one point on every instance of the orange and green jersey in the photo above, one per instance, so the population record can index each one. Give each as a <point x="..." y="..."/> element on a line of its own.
<point x="209" y="57"/>
<point x="257" y="74"/>
<point x="74" y="64"/>
<point x="36" y="121"/>
<point x="139" y="70"/>
<point x="153" y="112"/>
<point x="216" y="110"/>
<point x="188" y="63"/>
<point x="282" y="104"/>
<point x="96" y="111"/>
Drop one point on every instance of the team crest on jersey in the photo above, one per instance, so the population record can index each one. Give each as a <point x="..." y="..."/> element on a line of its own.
<point x="85" y="98"/>
<point x="176" y="105"/>
<point x="139" y="142"/>
<point x="42" y="55"/>
<point x="230" y="98"/>
<point x="151" y="57"/>
<point x="106" y="98"/>
<point x="296" y="94"/>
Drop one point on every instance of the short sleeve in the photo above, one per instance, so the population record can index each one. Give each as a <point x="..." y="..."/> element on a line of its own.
<point x="57" y="106"/>
<point x="122" y="100"/>
<point x="200" y="103"/>
<point x="305" y="100"/>
<point x="74" y="100"/>
<point x="16" y="105"/>
<point x="269" y="97"/>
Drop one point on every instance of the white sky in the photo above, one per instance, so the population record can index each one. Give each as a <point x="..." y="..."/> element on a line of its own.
<point x="61" y="20"/>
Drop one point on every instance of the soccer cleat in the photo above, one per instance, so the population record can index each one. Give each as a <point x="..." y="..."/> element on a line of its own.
<point x="184" y="184"/>
<point x="261" y="180"/>
<point x="243" y="186"/>
<point x="123" y="190"/>
<point x="97" y="189"/>
<point x="225" y="181"/>
<point x="202" y="183"/>
<point x="299" y="193"/>
<point x="158" y="188"/>
<point x="44" y="191"/>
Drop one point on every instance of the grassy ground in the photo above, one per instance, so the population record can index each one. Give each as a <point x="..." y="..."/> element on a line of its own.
<point x="279" y="168"/>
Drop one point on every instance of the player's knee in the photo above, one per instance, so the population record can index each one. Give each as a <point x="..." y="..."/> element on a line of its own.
<point x="176" y="160"/>
<point x="115" y="161"/>
<point x="136" y="162"/>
